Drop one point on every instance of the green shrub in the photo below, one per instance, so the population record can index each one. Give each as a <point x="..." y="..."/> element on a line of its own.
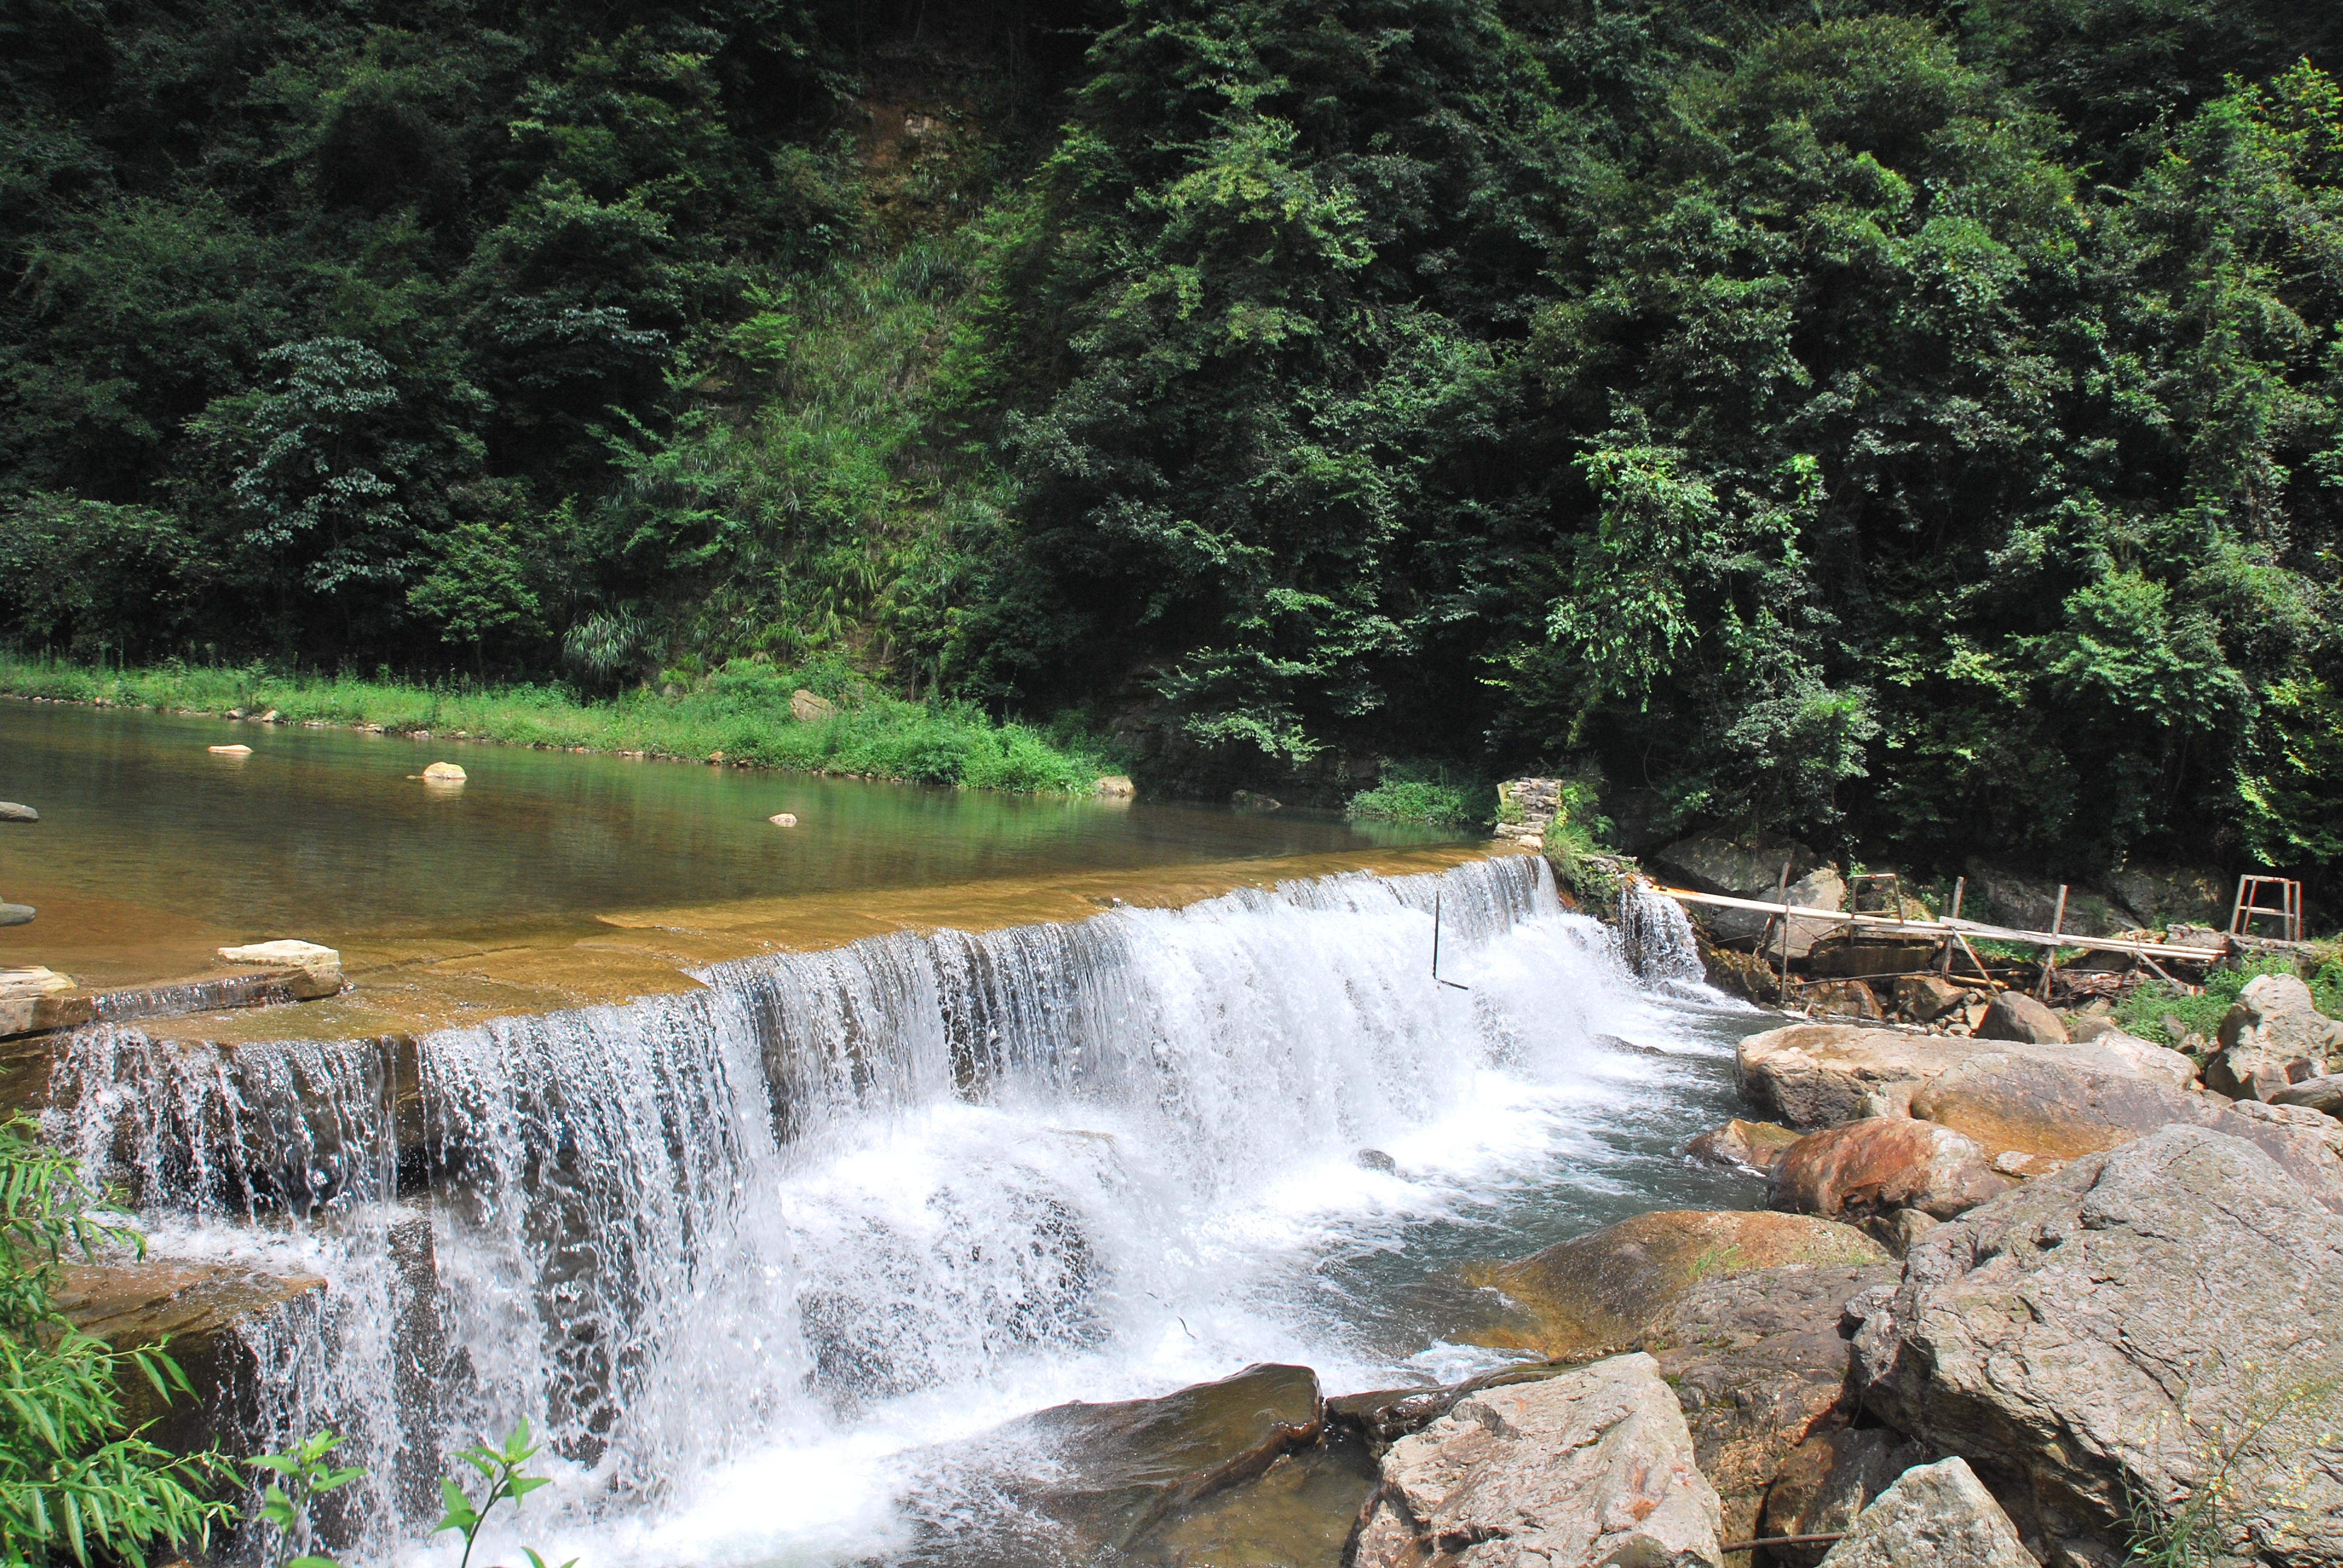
<point x="2143" y="1012"/>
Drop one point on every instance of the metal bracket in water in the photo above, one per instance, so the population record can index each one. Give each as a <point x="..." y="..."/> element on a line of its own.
<point x="1451" y="984"/>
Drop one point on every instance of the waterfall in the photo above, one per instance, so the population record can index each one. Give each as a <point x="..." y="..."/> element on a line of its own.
<point x="1656" y="939"/>
<point x="914" y="1184"/>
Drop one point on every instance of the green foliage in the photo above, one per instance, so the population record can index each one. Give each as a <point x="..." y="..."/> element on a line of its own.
<point x="1403" y="796"/>
<point x="2144" y="1011"/>
<point x="743" y="710"/>
<point x="73" y="1486"/>
<point x="89" y="578"/>
<point x="307" y="1473"/>
<point x="500" y="1467"/>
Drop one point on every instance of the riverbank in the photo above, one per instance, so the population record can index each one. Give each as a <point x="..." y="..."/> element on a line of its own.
<point x="741" y="713"/>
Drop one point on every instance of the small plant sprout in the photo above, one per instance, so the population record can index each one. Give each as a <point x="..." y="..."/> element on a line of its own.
<point x="306" y="1475"/>
<point x="501" y="1469"/>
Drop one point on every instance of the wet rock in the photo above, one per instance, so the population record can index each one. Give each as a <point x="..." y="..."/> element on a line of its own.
<point x="202" y="1311"/>
<point x="1824" y="1483"/>
<point x="1744" y="975"/>
<point x="1846" y="998"/>
<point x="1373" y="1159"/>
<point x="807" y="709"/>
<point x="2015" y="1016"/>
<point x="2051" y="1111"/>
<point x="1935" y="1517"/>
<point x="1926" y="997"/>
<point x="229" y="750"/>
<point x="1865" y="1168"/>
<point x="1814" y="1075"/>
<point x="1129" y="1465"/>
<point x="1759" y="1363"/>
<point x="1754" y="870"/>
<point x="1600" y="1289"/>
<point x="10" y="811"/>
<point x="1595" y="1466"/>
<point x="2323" y="1093"/>
<point x="2272" y="1036"/>
<point x="783" y="818"/>
<point x="443" y="773"/>
<point x="2089" y="1339"/>
<point x="1301" y="1510"/>
<point x="1114" y="787"/>
<point x="1753" y="1145"/>
<point x="1254" y="801"/>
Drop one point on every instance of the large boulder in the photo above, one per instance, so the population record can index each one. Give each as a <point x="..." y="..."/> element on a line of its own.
<point x="2165" y="896"/>
<point x="1934" y="1516"/>
<point x="2054" y="1112"/>
<point x="1599" y="1289"/>
<point x="1595" y="1466"/>
<point x="2153" y="1319"/>
<point x="1860" y="1169"/>
<point x="2273" y="1035"/>
<point x="1709" y="864"/>
<point x="1810" y="1075"/>
<point x="1759" y="1363"/>
<point x="2015" y="1016"/>
<point x="2031" y="903"/>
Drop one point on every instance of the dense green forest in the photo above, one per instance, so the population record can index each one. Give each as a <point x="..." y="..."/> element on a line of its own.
<point x="1919" y="426"/>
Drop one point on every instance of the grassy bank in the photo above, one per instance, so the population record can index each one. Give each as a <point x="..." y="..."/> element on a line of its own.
<point x="741" y="711"/>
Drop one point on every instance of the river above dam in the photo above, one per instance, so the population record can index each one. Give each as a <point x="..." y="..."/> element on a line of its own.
<point x="544" y="875"/>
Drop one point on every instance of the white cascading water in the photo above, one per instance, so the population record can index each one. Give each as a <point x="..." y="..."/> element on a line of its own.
<point x="741" y="1256"/>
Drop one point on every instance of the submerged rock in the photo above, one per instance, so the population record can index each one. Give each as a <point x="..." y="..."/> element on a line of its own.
<point x="1934" y="1516"/>
<point x="1602" y="1288"/>
<point x="1593" y="1466"/>
<point x="1880" y="1163"/>
<point x="1128" y="1466"/>
<point x="2114" y="1334"/>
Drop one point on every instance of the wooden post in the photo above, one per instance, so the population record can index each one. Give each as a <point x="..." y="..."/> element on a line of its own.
<point x="1960" y="886"/>
<point x="2238" y="909"/>
<point x="1781" y="897"/>
<point x="2050" y="953"/>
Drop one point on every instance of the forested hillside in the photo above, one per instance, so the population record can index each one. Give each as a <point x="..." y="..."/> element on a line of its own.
<point x="1917" y="427"/>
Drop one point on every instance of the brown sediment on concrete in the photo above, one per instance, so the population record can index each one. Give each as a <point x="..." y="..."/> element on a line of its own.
<point x="404" y="987"/>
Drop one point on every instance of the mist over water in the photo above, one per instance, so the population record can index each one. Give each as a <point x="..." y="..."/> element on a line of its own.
<point x="751" y="1258"/>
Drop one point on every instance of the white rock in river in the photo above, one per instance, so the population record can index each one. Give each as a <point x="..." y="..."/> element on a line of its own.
<point x="1593" y="1466"/>
<point x="12" y="812"/>
<point x="313" y="970"/>
<point x="229" y="750"/>
<point x="443" y="773"/>
<point x="783" y="819"/>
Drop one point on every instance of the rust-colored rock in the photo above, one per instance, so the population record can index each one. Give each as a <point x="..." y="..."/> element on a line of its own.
<point x="1884" y="1162"/>
<point x="2015" y="1016"/>
<point x="1824" y="1483"/>
<point x="1753" y="1145"/>
<point x="1600" y="1289"/>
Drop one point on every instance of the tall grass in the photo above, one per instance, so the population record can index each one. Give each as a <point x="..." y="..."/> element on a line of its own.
<point x="741" y="711"/>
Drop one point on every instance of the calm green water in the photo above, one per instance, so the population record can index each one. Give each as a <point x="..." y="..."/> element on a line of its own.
<point x="324" y="830"/>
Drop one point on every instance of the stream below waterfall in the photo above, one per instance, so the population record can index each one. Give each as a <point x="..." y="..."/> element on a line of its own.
<point x="758" y="1260"/>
